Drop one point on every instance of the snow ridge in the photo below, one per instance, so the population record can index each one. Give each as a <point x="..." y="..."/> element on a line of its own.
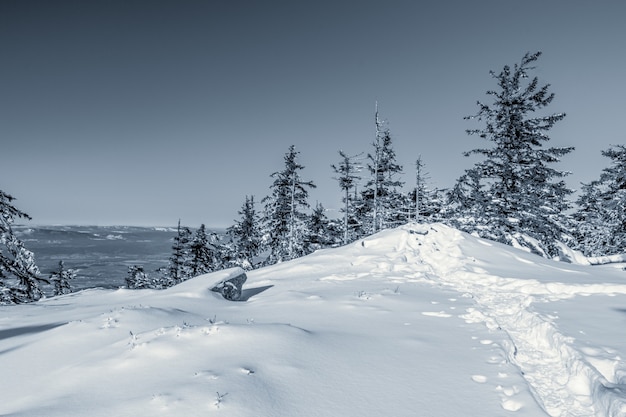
<point x="562" y="380"/>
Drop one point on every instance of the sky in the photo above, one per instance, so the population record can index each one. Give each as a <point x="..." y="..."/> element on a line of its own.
<point x="146" y="112"/>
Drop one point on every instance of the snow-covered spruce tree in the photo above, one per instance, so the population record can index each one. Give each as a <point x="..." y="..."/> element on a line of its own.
<point x="382" y="204"/>
<point x="424" y="204"/>
<point x="202" y="254"/>
<point x="601" y="210"/>
<point x="468" y="200"/>
<point x="347" y="175"/>
<point x="245" y="236"/>
<point x="284" y="220"/>
<point x="178" y="268"/>
<point x="513" y="195"/>
<point x="61" y="279"/>
<point x="137" y="279"/>
<point x="222" y="253"/>
<point x="322" y="232"/>
<point x="19" y="280"/>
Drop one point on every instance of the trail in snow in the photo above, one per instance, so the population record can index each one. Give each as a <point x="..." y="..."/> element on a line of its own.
<point x="563" y="381"/>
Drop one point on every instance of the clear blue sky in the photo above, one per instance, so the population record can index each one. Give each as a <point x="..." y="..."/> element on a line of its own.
<point x="144" y="112"/>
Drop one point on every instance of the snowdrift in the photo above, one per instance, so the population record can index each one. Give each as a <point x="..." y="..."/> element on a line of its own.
<point x="422" y="320"/>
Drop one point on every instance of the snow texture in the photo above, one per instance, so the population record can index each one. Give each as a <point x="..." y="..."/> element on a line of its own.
<point x="422" y="320"/>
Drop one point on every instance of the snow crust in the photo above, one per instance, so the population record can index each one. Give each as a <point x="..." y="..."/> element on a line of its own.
<point x="422" y="320"/>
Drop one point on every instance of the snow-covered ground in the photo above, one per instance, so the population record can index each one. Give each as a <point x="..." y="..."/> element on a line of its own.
<point x="422" y="320"/>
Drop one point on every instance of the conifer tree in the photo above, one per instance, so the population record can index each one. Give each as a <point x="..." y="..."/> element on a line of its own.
<point x="347" y="170"/>
<point x="137" y="278"/>
<point x="284" y="219"/>
<point x="61" y="279"/>
<point x="222" y="252"/>
<point x="179" y="260"/>
<point x="19" y="280"/>
<point x="321" y="232"/>
<point x="245" y="235"/>
<point x="602" y="208"/>
<point x="514" y="195"/>
<point x="382" y="203"/>
<point x="424" y="204"/>
<point x="202" y="253"/>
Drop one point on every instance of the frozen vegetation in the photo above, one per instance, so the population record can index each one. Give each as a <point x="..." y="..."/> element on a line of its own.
<point x="420" y="320"/>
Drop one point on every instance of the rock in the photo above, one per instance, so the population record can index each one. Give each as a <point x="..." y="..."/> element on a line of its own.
<point x="231" y="286"/>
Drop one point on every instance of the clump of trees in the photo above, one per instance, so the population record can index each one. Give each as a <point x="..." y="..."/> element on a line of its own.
<point x="20" y="278"/>
<point x="513" y="194"/>
<point x="61" y="279"/>
<point x="601" y="213"/>
<point x="19" y="275"/>
<point x="193" y="254"/>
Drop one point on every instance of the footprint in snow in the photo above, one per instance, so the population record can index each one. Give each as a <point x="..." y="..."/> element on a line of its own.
<point x="436" y="314"/>
<point x="508" y="403"/>
<point x="481" y="379"/>
<point x="511" y="405"/>
<point x="206" y="374"/>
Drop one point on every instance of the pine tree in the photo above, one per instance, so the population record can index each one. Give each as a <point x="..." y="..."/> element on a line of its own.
<point x="178" y="268"/>
<point x="284" y="220"/>
<point x="347" y="171"/>
<point x="19" y="280"/>
<point x="202" y="253"/>
<point x="162" y="278"/>
<point x="245" y="236"/>
<point x="515" y="194"/>
<point x="137" y="279"/>
<point x="61" y="279"/>
<point x="382" y="203"/>
<point x="222" y="252"/>
<point x="424" y="204"/>
<point x="321" y="232"/>
<point x="602" y="208"/>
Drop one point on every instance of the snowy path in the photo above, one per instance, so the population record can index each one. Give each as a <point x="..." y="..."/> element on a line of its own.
<point x="562" y="379"/>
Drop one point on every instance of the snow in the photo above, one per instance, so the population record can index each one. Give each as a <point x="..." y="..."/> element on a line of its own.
<point x="422" y="320"/>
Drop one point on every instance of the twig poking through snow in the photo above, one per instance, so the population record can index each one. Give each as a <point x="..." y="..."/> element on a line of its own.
<point x="133" y="340"/>
<point x="219" y="399"/>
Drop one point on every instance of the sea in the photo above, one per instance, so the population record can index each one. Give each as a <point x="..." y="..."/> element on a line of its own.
<point x="100" y="255"/>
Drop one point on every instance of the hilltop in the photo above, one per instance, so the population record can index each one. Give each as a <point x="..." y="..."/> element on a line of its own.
<point x="418" y="320"/>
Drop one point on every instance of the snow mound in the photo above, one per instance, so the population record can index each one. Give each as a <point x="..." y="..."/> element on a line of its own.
<point x="418" y="320"/>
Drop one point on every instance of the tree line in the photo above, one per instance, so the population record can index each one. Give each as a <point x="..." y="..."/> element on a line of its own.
<point x="513" y="194"/>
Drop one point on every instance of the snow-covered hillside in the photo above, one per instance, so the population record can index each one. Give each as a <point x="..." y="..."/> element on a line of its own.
<point x="417" y="321"/>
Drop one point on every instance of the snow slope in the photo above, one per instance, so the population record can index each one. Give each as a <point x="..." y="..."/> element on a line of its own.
<point x="422" y="320"/>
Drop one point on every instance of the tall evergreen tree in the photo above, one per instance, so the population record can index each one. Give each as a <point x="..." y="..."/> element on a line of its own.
<point x="284" y="219"/>
<point x="381" y="201"/>
<point x="602" y="208"/>
<point x="202" y="253"/>
<point x="61" y="279"/>
<point x="245" y="235"/>
<point x="347" y="175"/>
<point x="424" y="204"/>
<point x="179" y="260"/>
<point x="19" y="280"/>
<point x="518" y="196"/>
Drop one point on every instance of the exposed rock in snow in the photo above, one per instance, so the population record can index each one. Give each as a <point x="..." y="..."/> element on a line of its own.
<point x="231" y="286"/>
